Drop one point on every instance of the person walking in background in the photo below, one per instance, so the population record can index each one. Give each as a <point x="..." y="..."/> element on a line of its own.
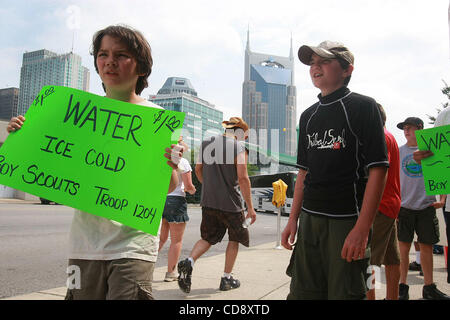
<point x="417" y="214"/>
<point x="222" y="169"/>
<point x="175" y="216"/>
<point x="443" y="119"/>
<point x="384" y="246"/>
<point x="343" y="166"/>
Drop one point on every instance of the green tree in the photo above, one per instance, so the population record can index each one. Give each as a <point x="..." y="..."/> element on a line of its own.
<point x="252" y="169"/>
<point x="446" y="91"/>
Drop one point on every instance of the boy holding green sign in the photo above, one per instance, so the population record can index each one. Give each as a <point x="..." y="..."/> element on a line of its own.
<point x="108" y="259"/>
<point x="443" y="119"/>
<point x="417" y="215"/>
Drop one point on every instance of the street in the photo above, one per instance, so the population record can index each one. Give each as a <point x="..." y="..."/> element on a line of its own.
<point x="34" y="240"/>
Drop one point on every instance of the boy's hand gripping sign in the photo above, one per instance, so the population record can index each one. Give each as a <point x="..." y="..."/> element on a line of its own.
<point x="436" y="169"/>
<point x="95" y="154"/>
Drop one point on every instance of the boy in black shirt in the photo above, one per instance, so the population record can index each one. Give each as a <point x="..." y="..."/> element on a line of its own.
<point x="343" y="163"/>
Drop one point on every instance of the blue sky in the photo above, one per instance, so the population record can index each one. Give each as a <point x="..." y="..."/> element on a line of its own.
<point x="401" y="47"/>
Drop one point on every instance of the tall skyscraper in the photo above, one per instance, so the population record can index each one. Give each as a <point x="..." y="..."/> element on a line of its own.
<point x="43" y="67"/>
<point x="9" y="98"/>
<point x="269" y="100"/>
<point x="202" y="118"/>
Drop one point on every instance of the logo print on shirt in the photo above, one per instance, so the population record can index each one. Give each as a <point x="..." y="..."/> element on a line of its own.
<point x="328" y="140"/>
<point x="410" y="167"/>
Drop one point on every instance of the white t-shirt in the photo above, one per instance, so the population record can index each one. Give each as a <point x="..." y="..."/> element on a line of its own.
<point x="443" y="119"/>
<point x="97" y="238"/>
<point x="412" y="187"/>
<point x="184" y="167"/>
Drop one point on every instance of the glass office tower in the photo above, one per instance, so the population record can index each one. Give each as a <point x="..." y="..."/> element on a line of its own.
<point x="9" y="98"/>
<point x="43" y="67"/>
<point x="269" y="100"/>
<point x="202" y="118"/>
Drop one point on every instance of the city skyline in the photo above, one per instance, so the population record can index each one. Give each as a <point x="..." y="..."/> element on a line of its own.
<point x="269" y="99"/>
<point x="401" y="51"/>
<point x="202" y="118"/>
<point x="44" y="67"/>
<point x="9" y="100"/>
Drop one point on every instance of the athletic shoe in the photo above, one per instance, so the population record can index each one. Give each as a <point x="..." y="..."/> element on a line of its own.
<point x="228" y="284"/>
<point x="403" y="292"/>
<point x="414" y="266"/>
<point x="184" y="275"/>
<point x="171" y="276"/>
<point x="437" y="249"/>
<point x="430" y="292"/>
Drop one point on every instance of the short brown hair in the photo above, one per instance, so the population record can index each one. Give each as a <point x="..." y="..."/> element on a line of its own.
<point x="136" y="44"/>
<point x="344" y="65"/>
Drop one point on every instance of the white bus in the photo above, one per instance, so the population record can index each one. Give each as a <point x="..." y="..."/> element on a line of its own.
<point x="262" y="191"/>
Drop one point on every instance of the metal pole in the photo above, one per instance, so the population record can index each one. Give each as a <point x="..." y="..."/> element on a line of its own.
<point x="279" y="229"/>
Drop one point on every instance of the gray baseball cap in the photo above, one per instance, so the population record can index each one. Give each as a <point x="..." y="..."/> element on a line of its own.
<point x="417" y="122"/>
<point x="326" y="49"/>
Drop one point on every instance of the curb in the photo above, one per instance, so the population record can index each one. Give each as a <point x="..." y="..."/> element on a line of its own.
<point x="251" y="266"/>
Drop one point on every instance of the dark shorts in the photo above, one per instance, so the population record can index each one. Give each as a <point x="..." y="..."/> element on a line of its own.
<point x="216" y="222"/>
<point x="384" y="247"/>
<point x="122" y="279"/>
<point x="423" y="222"/>
<point x="175" y="209"/>
<point x="316" y="267"/>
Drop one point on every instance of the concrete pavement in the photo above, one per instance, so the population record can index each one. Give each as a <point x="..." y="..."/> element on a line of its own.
<point x="261" y="270"/>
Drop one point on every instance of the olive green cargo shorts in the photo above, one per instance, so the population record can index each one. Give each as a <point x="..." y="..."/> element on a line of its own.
<point x="122" y="279"/>
<point x="317" y="269"/>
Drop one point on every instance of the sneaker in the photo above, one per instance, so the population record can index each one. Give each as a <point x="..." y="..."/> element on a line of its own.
<point x="403" y="290"/>
<point x="171" y="276"/>
<point x="437" y="249"/>
<point x="414" y="266"/>
<point x="228" y="284"/>
<point x="184" y="275"/>
<point x="430" y="292"/>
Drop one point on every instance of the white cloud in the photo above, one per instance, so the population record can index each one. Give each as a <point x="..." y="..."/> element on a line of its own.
<point x="401" y="47"/>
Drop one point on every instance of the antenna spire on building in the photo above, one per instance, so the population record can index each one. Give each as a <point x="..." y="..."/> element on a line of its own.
<point x="291" y="53"/>
<point x="248" y="38"/>
<point x="73" y="40"/>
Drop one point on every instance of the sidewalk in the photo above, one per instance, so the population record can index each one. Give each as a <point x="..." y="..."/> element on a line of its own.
<point x="19" y="201"/>
<point x="252" y="267"/>
<point x="261" y="270"/>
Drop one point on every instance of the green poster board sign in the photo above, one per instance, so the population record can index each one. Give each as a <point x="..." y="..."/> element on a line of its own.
<point x="95" y="154"/>
<point x="436" y="169"/>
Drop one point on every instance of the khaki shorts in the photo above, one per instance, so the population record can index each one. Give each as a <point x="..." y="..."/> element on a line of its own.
<point x="317" y="269"/>
<point x="384" y="248"/>
<point x="122" y="279"/>
<point x="215" y="223"/>
<point x="423" y="222"/>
